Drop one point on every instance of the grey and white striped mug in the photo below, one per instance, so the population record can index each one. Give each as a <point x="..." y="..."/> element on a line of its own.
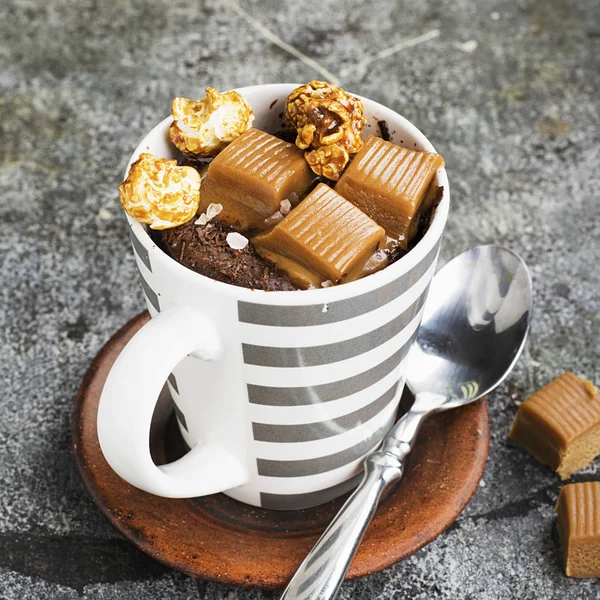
<point x="280" y="395"/>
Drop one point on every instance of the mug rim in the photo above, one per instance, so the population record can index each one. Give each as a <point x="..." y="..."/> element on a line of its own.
<point x="321" y="295"/>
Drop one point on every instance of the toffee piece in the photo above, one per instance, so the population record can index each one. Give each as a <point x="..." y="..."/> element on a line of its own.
<point x="559" y="425"/>
<point x="324" y="238"/>
<point x="389" y="183"/>
<point x="251" y="177"/>
<point x="578" y="524"/>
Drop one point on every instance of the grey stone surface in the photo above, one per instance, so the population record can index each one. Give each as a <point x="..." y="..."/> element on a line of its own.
<point x="516" y="114"/>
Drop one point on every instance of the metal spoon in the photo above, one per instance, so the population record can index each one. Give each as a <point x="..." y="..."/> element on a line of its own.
<point x="474" y="327"/>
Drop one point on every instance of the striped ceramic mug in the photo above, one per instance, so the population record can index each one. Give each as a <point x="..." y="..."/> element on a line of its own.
<point x="280" y="395"/>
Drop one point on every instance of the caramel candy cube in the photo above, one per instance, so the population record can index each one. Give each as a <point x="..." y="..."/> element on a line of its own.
<point x="389" y="183"/>
<point x="560" y="424"/>
<point x="324" y="238"/>
<point x="251" y="177"/>
<point x="578" y="523"/>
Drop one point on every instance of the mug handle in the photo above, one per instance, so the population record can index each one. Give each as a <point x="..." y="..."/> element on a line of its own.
<point x="130" y="395"/>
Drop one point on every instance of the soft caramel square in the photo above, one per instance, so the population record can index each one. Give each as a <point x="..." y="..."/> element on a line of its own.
<point x="324" y="238"/>
<point x="251" y="177"/>
<point x="389" y="182"/>
<point x="559" y="425"/>
<point x="578" y="523"/>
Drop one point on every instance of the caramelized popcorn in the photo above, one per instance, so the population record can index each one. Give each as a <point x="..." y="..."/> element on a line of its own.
<point x="204" y="128"/>
<point x="160" y="193"/>
<point x="328" y="161"/>
<point x="324" y="115"/>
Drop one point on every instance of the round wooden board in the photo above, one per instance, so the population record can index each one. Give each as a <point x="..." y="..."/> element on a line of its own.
<point x="219" y="539"/>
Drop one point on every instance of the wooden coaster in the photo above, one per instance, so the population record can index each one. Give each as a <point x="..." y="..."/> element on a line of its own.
<point x="219" y="539"/>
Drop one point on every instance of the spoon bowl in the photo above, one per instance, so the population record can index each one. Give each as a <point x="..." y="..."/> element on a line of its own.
<point x="474" y="325"/>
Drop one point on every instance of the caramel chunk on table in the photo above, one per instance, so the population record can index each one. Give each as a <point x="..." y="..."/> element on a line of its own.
<point x="560" y="424"/>
<point x="389" y="183"/>
<point x="251" y="177"/>
<point x="578" y="523"/>
<point x="324" y="238"/>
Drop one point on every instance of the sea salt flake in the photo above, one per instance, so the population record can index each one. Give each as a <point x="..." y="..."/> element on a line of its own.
<point x="212" y="211"/>
<point x="274" y="218"/>
<point x="236" y="240"/>
<point x="327" y="283"/>
<point x="285" y="206"/>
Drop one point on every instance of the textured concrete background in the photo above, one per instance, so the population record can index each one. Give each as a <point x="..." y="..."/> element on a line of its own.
<point x="508" y="92"/>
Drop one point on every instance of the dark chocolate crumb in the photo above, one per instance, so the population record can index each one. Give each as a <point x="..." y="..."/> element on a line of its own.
<point x="383" y="128"/>
<point x="287" y="134"/>
<point x="204" y="249"/>
<point x="395" y="254"/>
<point x="424" y="222"/>
<point x="427" y="216"/>
<point x="200" y="164"/>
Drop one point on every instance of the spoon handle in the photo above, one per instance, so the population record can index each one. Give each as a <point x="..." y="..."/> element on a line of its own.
<point x="322" y="572"/>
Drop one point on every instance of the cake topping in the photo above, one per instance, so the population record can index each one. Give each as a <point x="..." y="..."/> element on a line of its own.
<point x="389" y="183"/>
<point x="324" y="115"/>
<point x="204" y="128"/>
<point x="252" y="177"/>
<point x="211" y="212"/>
<point x="160" y="193"/>
<point x="236" y="240"/>
<point x="324" y="238"/>
<point x="285" y="206"/>
<point x="274" y="219"/>
<point x="328" y="161"/>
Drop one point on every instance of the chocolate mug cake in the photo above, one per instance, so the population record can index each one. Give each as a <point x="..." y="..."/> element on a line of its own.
<point x="246" y="207"/>
<point x="245" y="190"/>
